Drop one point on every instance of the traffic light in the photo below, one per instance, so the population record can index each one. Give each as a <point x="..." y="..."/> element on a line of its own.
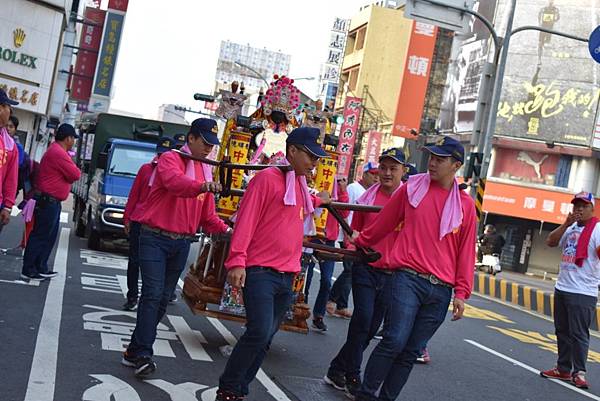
<point x="337" y="119"/>
<point x="206" y="98"/>
<point x="474" y="165"/>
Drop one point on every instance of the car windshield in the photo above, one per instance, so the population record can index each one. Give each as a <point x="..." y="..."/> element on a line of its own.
<point x="127" y="160"/>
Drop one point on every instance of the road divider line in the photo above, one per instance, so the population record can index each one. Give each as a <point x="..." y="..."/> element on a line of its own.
<point x="532" y="370"/>
<point x="261" y="376"/>
<point x="42" y="377"/>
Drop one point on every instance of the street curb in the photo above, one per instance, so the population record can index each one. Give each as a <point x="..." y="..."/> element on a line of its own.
<point x="527" y="297"/>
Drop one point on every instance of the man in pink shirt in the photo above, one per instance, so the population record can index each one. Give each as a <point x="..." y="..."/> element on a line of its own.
<point x="134" y="210"/>
<point x="433" y="253"/>
<point x="9" y="161"/>
<point x="56" y="174"/>
<point x="370" y="282"/>
<point x="180" y="202"/>
<point x="264" y="255"/>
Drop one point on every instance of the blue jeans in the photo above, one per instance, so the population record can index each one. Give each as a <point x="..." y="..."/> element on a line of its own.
<point x="417" y="309"/>
<point x="371" y="289"/>
<point x="161" y="262"/>
<point x="340" y="291"/>
<point x="267" y="296"/>
<point x="326" y="267"/>
<point x="133" y="265"/>
<point x="42" y="237"/>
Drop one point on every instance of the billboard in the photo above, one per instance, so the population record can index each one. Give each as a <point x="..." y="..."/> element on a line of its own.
<point x="107" y="59"/>
<point x="551" y="83"/>
<point x="348" y="133"/>
<point x="415" y="80"/>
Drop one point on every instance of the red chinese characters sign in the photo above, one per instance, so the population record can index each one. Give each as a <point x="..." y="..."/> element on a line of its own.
<point x="348" y="132"/>
<point x="87" y="57"/>
<point x="415" y="80"/>
<point x="120" y="5"/>
<point x="373" y="146"/>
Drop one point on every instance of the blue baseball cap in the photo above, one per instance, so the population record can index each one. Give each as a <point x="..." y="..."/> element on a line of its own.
<point x="308" y="137"/>
<point x="207" y="128"/>
<point x="587" y="197"/>
<point x="447" y="147"/>
<point x="4" y="99"/>
<point x="370" y="167"/>
<point x="179" y="140"/>
<point x="395" y="154"/>
<point x="164" y="144"/>
<point x="65" y="130"/>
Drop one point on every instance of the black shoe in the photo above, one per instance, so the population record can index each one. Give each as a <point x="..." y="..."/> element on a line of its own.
<point x="173" y="299"/>
<point x="50" y="274"/>
<point x="352" y="386"/>
<point x="129" y="360"/>
<point x="131" y="304"/>
<point x="335" y="379"/>
<point x="144" y="367"/>
<point x="379" y="335"/>
<point x="223" y="395"/>
<point x="33" y="277"/>
<point x="319" y="324"/>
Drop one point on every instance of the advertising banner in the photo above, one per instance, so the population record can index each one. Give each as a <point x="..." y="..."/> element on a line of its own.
<point x="87" y="56"/>
<point x="348" y="133"/>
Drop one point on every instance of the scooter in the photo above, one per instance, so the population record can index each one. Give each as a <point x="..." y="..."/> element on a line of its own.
<point x="490" y="264"/>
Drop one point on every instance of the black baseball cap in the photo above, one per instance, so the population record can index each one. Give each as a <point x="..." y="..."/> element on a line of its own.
<point x="447" y="147"/>
<point x="179" y="140"/>
<point x="308" y="137"/>
<point x="164" y="144"/>
<point x="4" y="99"/>
<point x="207" y="128"/>
<point x="395" y="154"/>
<point x="65" y="130"/>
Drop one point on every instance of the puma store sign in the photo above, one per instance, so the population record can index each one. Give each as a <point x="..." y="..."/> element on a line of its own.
<point x="526" y="166"/>
<point x="29" y="40"/>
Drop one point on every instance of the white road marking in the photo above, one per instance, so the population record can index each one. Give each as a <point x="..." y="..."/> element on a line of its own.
<point x="532" y="370"/>
<point x="110" y="389"/>
<point x="42" y="376"/>
<point x="261" y="376"/>
<point x="192" y="340"/>
<point x="64" y="217"/>
<point x="178" y="392"/>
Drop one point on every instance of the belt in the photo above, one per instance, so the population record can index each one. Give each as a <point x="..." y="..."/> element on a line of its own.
<point x="270" y="269"/>
<point x="44" y="197"/>
<point x="429" y="277"/>
<point x="382" y="271"/>
<point x="168" y="234"/>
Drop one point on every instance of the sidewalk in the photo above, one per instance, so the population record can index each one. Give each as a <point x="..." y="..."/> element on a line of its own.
<point x="529" y="292"/>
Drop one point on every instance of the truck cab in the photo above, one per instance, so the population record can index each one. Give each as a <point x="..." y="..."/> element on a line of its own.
<point x="111" y="151"/>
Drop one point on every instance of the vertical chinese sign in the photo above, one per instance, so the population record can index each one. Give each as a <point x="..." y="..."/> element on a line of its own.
<point x="415" y="80"/>
<point x="373" y="146"/>
<point x="348" y="132"/>
<point x="109" y="50"/>
<point x="87" y="57"/>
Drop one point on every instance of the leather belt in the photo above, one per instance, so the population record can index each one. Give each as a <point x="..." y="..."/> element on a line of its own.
<point x="270" y="269"/>
<point x="429" y="277"/>
<point x="168" y="234"/>
<point x="44" y="197"/>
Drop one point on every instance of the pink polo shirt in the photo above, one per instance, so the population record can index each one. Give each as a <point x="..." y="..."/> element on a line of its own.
<point x="268" y="233"/>
<point x="175" y="203"/>
<point x="418" y="246"/>
<point x="134" y="209"/>
<point x="9" y="174"/>
<point x="361" y="220"/>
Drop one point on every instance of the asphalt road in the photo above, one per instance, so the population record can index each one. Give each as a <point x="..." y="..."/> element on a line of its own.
<point x="62" y="339"/>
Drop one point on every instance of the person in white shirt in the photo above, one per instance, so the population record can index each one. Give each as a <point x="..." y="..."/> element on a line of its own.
<point x="576" y="291"/>
<point x="340" y="291"/>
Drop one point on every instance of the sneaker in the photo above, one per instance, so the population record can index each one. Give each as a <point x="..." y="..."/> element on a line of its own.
<point x="50" y="274"/>
<point x="130" y="305"/>
<point x="144" y="367"/>
<point x="319" y="324"/>
<point x="352" y="386"/>
<point x="554" y="373"/>
<point x="379" y="335"/>
<point x="33" y="277"/>
<point x="223" y="395"/>
<point x="579" y="380"/>
<point x="424" y="356"/>
<point x="129" y="360"/>
<point x="173" y="298"/>
<point x="343" y="313"/>
<point x="335" y="379"/>
<point x="330" y="308"/>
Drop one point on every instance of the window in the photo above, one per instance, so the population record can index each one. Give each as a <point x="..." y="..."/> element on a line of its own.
<point x="360" y="38"/>
<point x="127" y="160"/>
